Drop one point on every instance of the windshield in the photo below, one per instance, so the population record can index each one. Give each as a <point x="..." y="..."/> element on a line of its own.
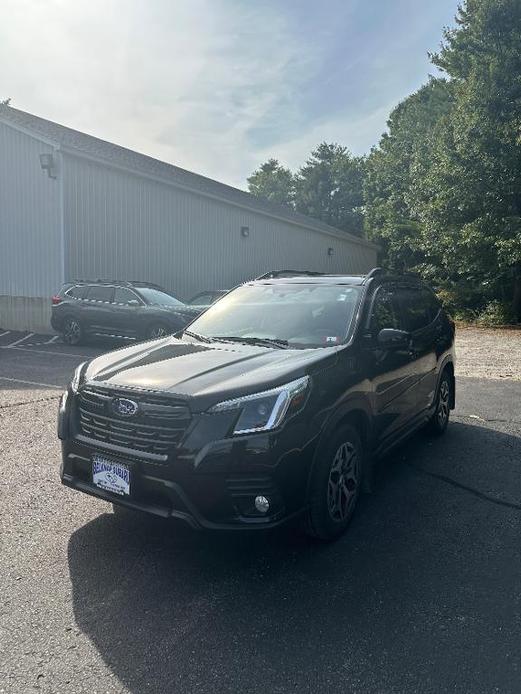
<point x="158" y="298"/>
<point x="301" y="315"/>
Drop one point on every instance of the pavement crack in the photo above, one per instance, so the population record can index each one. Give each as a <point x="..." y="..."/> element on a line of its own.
<point x="481" y="495"/>
<point x="27" y="402"/>
<point x="477" y="418"/>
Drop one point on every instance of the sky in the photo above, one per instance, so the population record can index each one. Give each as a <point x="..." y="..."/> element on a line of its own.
<point x="219" y="86"/>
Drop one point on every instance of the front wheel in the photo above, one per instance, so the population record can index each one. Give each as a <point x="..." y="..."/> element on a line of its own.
<point x="335" y="485"/>
<point x="72" y="332"/>
<point x="157" y="330"/>
<point x="440" y="419"/>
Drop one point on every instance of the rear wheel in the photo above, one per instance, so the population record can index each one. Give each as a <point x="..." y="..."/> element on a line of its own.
<point x="72" y="332"/>
<point x="335" y="485"/>
<point x="440" y="419"/>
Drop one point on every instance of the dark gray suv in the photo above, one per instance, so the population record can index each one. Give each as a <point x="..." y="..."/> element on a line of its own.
<point x="123" y="309"/>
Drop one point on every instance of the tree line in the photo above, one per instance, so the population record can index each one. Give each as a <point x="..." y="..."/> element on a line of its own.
<point x="441" y="191"/>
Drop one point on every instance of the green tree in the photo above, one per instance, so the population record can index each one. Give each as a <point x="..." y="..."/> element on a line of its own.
<point x="443" y="188"/>
<point x="273" y="182"/>
<point x="471" y="194"/>
<point x="329" y="187"/>
<point x="390" y="218"/>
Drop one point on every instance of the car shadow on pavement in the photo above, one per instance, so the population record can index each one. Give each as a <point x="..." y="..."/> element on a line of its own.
<point x="419" y="595"/>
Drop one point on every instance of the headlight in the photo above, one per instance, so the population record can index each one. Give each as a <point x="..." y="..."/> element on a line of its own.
<point x="77" y="377"/>
<point x="266" y="410"/>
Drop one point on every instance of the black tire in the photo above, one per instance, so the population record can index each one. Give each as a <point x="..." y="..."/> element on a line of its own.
<point x="335" y="485"/>
<point x="72" y="331"/>
<point x="439" y="421"/>
<point x="157" y="330"/>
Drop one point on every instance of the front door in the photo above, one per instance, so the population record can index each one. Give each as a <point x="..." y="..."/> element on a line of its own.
<point x="98" y="310"/>
<point x="392" y="370"/>
<point x="128" y="312"/>
<point x="419" y="309"/>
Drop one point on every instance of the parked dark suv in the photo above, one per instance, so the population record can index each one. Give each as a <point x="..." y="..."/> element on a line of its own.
<point x="112" y="307"/>
<point x="271" y="405"/>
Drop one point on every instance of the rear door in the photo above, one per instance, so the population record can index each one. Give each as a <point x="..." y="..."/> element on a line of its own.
<point x="98" y="309"/>
<point x="420" y="312"/>
<point x="392" y="371"/>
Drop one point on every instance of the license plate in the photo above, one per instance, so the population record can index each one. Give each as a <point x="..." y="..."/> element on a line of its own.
<point x="110" y="475"/>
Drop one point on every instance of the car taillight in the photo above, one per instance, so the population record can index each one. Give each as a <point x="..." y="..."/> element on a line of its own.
<point x="56" y="300"/>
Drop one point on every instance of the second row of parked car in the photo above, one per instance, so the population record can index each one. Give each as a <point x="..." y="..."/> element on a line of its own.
<point x="138" y="310"/>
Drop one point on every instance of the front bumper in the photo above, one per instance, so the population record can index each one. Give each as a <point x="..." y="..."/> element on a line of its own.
<point x="209" y="482"/>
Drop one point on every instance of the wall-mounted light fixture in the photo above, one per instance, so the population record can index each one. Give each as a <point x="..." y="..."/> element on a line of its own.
<point x="48" y="164"/>
<point x="330" y="251"/>
<point x="245" y="232"/>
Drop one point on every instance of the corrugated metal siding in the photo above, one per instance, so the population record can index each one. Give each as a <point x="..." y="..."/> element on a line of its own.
<point x="30" y="219"/>
<point x="121" y="225"/>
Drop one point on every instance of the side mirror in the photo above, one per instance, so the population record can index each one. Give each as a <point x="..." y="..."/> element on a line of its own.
<point x="133" y="302"/>
<point x="390" y="338"/>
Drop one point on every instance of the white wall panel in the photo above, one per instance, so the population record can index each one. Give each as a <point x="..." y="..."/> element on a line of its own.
<point x="30" y="221"/>
<point x="124" y="226"/>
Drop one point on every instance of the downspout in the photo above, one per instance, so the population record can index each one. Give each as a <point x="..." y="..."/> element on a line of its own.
<point x="61" y="211"/>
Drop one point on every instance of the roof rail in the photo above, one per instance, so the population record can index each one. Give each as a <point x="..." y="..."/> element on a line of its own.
<point x="273" y="274"/>
<point x="377" y="271"/>
<point x="372" y="273"/>
<point x="101" y="280"/>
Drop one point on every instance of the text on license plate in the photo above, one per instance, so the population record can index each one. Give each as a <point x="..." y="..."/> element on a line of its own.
<point x="110" y="475"/>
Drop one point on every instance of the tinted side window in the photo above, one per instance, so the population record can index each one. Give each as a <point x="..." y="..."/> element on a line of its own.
<point x="124" y="296"/>
<point x="385" y="311"/>
<point x="416" y="308"/>
<point x="100" y="293"/>
<point x="77" y="292"/>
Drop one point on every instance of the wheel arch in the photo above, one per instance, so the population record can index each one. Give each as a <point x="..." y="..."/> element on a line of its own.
<point x="357" y="414"/>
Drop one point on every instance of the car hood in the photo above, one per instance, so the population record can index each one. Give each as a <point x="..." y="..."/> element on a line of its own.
<point x="203" y="373"/>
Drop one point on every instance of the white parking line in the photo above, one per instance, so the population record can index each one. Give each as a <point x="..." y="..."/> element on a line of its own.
<point x="48" y="353"/>
<point x="5" y="333"/>
<point x="30" y="383"/>
<point x="17" y="342"/>
<point x="53" y="339"/>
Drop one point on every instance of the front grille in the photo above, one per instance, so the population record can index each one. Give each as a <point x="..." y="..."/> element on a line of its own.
<point x="157" y="427"/>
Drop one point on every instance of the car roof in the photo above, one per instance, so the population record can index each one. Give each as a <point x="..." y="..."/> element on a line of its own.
<point x="313" y="279"/>
<point x="310" y="277"/>
<point x="119" y="283"/>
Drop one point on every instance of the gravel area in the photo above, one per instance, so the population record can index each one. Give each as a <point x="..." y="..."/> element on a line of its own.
<point x="488" y="353"/>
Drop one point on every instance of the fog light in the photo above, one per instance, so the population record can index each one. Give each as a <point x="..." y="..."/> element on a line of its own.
<point x="262" y="504"/>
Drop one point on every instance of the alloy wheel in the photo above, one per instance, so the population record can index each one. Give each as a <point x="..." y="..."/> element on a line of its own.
<point x="72" y="332"/>
<point x="343" y="482"/>
<point x="443" y="402"/>
<point x="158" y="331"/>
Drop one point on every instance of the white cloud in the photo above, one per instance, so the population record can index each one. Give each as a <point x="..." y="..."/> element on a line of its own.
<point x="357" y="133"/>
<point x="183" y="81"/>
<point x="199" y="83"/>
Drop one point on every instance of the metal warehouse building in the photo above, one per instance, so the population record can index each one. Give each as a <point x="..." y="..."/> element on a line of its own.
<point x="75" y="206"/>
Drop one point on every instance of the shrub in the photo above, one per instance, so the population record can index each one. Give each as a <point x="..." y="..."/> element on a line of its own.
<point x="495" y="313"/>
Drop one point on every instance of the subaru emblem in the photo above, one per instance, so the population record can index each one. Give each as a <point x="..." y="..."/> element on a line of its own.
<point x="124" y="407"/>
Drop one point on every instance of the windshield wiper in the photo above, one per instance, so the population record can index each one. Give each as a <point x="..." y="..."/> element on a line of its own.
<point x="263" y="341"/>
<point x="201" y="338"/>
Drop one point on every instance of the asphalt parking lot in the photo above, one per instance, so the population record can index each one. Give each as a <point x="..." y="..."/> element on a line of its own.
<point x="423" y="594"/>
